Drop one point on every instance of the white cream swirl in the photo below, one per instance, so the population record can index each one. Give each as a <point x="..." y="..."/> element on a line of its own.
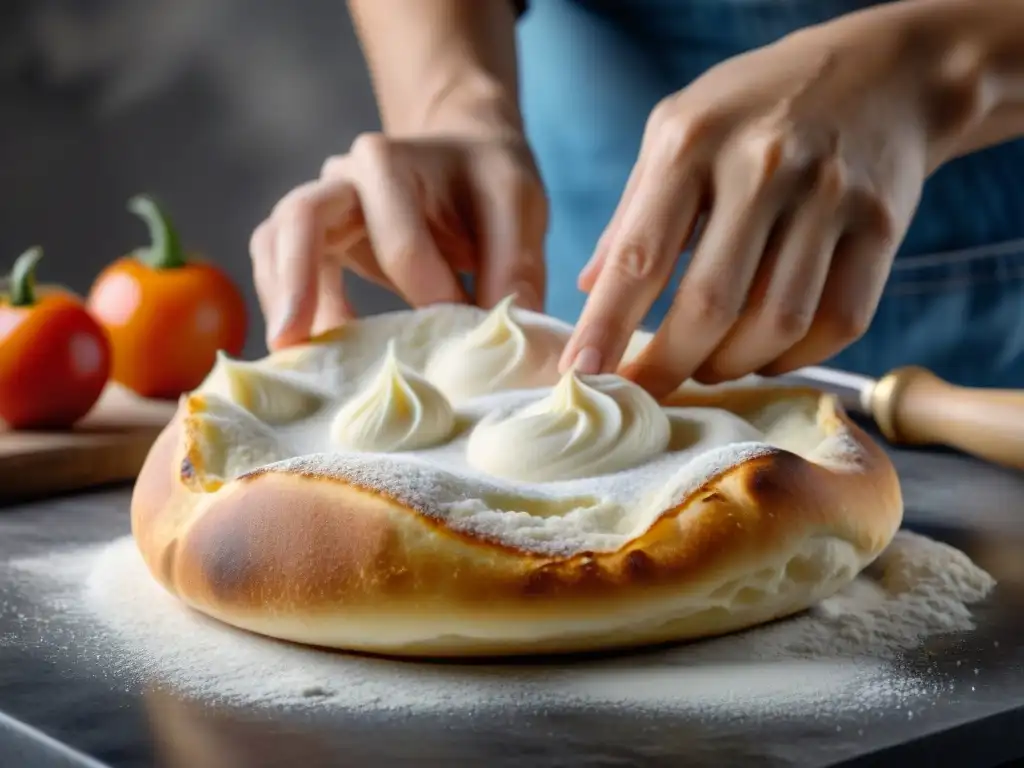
<point x="270" y="397"/>
<point x="585" y="427"/>
<point x="398" y="411"/>
<point x="500" y="353"/>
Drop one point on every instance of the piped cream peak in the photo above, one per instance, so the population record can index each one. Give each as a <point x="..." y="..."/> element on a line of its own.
<point x="502" y="352"/>
<point x="398" y="410"/>
<point x="499" y="327"/>
<point x="270" y="397"/>
<point x="582" y="428"/>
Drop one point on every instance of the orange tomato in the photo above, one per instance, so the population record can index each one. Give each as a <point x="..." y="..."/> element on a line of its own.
<point x="167" y="315"/>
<point x="54" y="357"/>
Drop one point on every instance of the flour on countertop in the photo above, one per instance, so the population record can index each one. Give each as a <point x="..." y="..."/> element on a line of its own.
<point x="102" y="604"/>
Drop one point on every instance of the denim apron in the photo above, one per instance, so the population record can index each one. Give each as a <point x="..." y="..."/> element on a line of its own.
<point x="592" y="70"/>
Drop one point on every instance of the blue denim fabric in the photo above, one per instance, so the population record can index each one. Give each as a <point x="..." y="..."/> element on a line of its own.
<point x="593" y="69"/>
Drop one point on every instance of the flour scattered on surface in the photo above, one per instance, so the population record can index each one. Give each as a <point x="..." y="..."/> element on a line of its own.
<point x="101" y="603"/>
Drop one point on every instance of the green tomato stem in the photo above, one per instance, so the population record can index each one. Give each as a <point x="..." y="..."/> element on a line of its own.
<point x="23" y="278"/>
<point x="164" y="251"/>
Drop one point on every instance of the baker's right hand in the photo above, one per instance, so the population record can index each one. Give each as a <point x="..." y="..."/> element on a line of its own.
<point x="410" y="215"/>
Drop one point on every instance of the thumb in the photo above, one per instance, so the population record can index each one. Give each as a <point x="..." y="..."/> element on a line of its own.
<point x="297" y="276"/>
<point x="332" y="307"/>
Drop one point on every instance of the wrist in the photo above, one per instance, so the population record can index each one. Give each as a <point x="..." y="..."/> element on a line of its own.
<point x="471" y="104"/>
<point x="444" y="67"/>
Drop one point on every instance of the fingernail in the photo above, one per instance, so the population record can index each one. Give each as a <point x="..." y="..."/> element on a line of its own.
<point x="596" y="257"/>
<point x="587" y="361"/>
<point x="279" y="324"/>
<point x="588" y="267"/>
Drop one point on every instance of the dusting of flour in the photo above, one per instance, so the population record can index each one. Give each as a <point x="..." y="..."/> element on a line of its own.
<point x="101" y="603"/>
<point x="439" y="481"/>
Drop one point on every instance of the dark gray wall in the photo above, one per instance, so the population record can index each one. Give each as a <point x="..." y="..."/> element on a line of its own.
<point x="216" y="106"/>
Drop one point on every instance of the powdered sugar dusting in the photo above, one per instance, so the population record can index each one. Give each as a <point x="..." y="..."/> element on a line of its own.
<point x="609" y="509"/>
<point x="841" y="656"/>
<point x="440" y="482"/>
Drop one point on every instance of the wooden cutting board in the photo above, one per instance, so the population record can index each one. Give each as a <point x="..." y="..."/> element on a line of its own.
<point x="107" y="446"/>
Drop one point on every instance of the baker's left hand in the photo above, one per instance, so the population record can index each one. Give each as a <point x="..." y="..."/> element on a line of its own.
<point x="805" y="160"/>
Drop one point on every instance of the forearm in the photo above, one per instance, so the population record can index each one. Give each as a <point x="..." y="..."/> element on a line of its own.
<point x="435" y="63"/>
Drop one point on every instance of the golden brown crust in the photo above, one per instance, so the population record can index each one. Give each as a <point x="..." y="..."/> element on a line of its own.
<point x="291" y="555"/>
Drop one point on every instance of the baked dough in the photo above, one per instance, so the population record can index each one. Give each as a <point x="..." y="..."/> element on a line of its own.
<point x="764" y="501"/>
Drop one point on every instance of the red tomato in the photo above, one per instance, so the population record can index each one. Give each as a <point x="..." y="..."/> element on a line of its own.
<point x="54" y="357"/>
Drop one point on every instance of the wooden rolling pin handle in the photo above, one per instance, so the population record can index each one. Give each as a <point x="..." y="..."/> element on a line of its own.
<point x="915" y="407"/>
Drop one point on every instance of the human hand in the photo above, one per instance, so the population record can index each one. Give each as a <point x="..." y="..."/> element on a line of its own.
<point x="806" y="161"/>
<point x="410" y="215"/>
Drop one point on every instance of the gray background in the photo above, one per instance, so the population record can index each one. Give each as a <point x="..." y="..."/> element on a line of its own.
<point x="218" y="107"/>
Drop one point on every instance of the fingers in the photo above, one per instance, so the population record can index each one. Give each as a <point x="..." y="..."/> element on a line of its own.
<point x="288" y="249"/>
<point x="856" y="280"/>
<point x="781" y="314"/>
<point x="588" y="275"/>
<point x="715" y="286"/>
<point x="512" y="216"/>
<point x="363" y="213"/>
<point x="397" y="227"/>
<point x="645" y="238"/>
<point x="859" y="270"/>
<point x="384" y="211"/>
<point x="332" y="307"/>
<point x="322" y="298"/>
<point x="264" y="268"/>
<point x="286" y="289"/>
<point x="359" y="258"/>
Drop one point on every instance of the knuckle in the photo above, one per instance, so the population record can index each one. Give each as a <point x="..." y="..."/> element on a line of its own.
<point x="516" y="185"/>
<point x="523" y="188"/>
<point x="399" y="255"/>
<point x="874" y="212"/>
<point x="960" y="88"/>
<point x="260" y="241"/>
<point x="371" y="147"/>
<point x="768" y="155"/>
<point x="498" y="174"/>
<point x="334" y="166"/>
<point x="662" y="115"/>
<point x="635" y="262"/>
<point x="846" y="326"/>
<point x="883" y="219"/>
<point x="720" y="368"/>
<point x="672" y="135"/>
<point x="300" y="207"/>
<point x="711" y="304"/>
<point x="832" y="179"/>
<point x="789" y="323"/>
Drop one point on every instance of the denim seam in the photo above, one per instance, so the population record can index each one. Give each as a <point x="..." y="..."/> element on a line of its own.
<point x="954" y="283"/>
<point x="976" y="253"/>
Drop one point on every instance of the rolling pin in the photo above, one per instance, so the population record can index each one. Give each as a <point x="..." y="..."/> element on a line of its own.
<point x="912" y="406"/>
